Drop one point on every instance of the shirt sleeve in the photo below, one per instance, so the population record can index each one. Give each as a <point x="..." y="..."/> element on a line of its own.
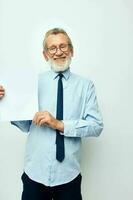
<point x="22" y="125"/>
<point x="91" y="124"/>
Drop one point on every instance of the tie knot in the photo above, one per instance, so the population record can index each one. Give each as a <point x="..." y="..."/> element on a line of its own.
<point x="60" y="75"/>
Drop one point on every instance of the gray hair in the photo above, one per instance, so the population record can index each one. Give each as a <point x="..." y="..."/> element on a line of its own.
<point x="56" y="31"/>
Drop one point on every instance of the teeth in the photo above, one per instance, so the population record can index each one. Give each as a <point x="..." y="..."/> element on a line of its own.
<point x="59" y="58"/>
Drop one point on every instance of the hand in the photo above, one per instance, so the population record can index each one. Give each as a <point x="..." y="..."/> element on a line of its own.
<point x="2" y="92"/>
<point x="45" y="118"/>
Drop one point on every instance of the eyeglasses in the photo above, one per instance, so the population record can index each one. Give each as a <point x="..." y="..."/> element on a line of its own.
<point x="62" y="47"/>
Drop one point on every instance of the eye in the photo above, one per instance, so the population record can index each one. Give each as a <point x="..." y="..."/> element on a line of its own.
<point x="52" y="48"/>
<point x="63" y="45"/>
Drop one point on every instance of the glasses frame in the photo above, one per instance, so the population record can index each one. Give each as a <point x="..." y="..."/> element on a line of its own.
<point x="59" y="47"/>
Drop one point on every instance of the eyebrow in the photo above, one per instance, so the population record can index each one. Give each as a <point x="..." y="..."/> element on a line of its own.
<point x="53" y="45"/>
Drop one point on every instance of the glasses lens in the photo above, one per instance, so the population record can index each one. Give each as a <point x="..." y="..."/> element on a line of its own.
<point x="52" y="50"/>
<point x="62" y="47"/>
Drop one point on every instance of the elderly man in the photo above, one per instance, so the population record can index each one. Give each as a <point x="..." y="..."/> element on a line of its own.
<point x="68" y="111"/>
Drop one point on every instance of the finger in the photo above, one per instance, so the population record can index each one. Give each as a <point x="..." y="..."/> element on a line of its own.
<point x="42" y="122"/>
<point x="1" y="96"/>
<point x="40" y="117"/>
<point x="2" y="90"/>
<point x="35" y="117"/>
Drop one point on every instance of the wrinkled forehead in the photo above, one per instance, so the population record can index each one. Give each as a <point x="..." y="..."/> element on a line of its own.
<point x="56" y="39"/>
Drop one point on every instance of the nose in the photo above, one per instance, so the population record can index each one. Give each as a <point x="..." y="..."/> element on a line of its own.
<point x="58" y="51"/>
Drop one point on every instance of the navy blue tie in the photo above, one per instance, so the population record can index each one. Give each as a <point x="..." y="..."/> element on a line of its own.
<point x="60" y="151"/>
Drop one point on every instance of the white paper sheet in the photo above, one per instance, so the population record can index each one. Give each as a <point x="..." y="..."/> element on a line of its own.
<point x="21" y="100"/>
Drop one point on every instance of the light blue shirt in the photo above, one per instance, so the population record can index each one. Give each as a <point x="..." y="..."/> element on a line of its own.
<point x="81" y="118"/>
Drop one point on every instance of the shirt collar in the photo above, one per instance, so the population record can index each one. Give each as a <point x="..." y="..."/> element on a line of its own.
<point x="66" y="74"/>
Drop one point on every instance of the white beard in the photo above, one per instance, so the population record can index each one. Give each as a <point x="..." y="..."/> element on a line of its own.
<point x="59" y="68"/>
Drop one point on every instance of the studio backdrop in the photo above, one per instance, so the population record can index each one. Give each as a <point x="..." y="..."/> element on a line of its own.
<point x="101" y="32"/>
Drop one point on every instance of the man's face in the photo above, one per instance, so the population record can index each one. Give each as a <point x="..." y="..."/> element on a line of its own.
<point x="58" y="52"/>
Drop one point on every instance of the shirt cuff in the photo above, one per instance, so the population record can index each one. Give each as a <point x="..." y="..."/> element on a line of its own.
<point x="69" y="129"/>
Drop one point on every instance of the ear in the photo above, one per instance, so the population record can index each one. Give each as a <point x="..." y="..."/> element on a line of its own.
<point x="45" y="56"/>
<point x="72" y="52"/>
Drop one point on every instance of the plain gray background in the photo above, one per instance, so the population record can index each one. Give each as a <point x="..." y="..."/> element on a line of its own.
<point x="101" y="32"/>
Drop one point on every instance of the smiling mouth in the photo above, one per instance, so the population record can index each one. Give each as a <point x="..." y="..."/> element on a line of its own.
<point x="60" y="58"/>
